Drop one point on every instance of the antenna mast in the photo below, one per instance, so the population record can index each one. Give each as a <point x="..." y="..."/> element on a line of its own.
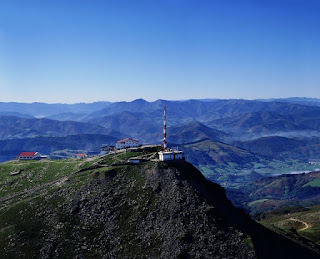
<point x="164" y="129"/>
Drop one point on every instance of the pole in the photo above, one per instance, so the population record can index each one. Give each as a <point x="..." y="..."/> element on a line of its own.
<point x="164" y="129"/>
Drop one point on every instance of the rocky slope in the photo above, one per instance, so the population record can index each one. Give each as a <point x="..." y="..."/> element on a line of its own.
<point x="151" y="210"/>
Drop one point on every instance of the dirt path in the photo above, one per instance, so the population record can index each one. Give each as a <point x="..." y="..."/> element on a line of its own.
<point x="306" y="225"/>
<point x="33" y="189"/>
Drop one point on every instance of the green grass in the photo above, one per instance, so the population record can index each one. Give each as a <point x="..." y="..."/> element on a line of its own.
<point x="312" y="233"/>
<point x="33" y="196"/>
<point x="314" y="183"/>
<point x="33" y="173"/>
<point x="256" y="202"/>
<point x="283" y="223"/>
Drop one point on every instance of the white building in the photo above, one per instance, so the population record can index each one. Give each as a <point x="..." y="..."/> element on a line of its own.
<point x="127" y="143"/>
<point x="29" y="155"/>
<point x="106" y="149"/>
<point x="170" y="155"/>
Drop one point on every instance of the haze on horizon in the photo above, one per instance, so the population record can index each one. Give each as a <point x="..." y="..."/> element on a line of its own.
<point x="84" y="51"/>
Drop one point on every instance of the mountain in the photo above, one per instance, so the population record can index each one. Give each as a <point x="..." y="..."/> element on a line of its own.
<point x="187" y="110"/>
<point x="204" y="111"/>
<point x="271" y="146"/>
<point x="45" y="109"/>
<point x="263" y="122"/>
<point x="225" y="164"/>
<point x="241" y="118"/>
<point x="67" y="116"/>
<point x="282" y="147"/>
<point x="16" y="114"/>
<point x="214" y="153"/>
<point x="136" y="125"/>
<point x="150" y="210"/>
<point x="14" y="127"/>
<point x="194" y="131"/>
<point x="199" y="110"/>
<point x="266" y="123"/>
<point x="296" y="100"/>
<point x="190" y="132"/>
<point x="279" y="191"/>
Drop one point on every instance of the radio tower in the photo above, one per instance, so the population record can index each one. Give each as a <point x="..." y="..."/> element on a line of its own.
<point x="164" y="129"/>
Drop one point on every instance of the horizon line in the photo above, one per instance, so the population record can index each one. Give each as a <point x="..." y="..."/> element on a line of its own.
<point x="169" y="100"/>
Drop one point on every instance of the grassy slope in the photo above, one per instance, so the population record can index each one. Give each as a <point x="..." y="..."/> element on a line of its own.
<point x="26" y="212"/>
<point x="31" y="203"/>
<point x="303" y="226"/>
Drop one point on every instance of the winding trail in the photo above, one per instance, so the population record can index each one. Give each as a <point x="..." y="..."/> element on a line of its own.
<point x="32" y="190"/>
<point x="306" y="225"/>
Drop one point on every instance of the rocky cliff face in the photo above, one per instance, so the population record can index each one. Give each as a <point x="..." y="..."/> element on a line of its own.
<point x="159" y="210"/>
<point x="152" y="210"/>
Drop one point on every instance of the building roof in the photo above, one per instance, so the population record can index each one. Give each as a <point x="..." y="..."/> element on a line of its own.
<point x="27" y="154"/>
<point x="81" y="155"/>
<point x="124" y="140"/>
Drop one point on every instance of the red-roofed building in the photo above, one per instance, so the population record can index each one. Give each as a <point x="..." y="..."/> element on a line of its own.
<point x="81" y="155"/>
<point x="127" y="143"/>
<point x="29" y="155"/>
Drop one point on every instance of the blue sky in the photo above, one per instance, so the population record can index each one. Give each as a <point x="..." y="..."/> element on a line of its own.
<point x="84" y="51"/>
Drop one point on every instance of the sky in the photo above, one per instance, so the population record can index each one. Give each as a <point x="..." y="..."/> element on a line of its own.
<point x="120" y="50"/>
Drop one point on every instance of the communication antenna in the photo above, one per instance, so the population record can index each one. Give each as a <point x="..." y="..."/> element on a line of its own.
<point x="182" y="142"/>
<point x="164" y="129"/>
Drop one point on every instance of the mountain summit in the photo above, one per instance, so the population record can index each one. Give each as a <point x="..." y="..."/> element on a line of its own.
<point x="149" y="210"/>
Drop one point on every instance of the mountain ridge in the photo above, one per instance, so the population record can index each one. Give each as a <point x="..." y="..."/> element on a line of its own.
<point x="15" y="127"/>
<point x="151" y="210"/>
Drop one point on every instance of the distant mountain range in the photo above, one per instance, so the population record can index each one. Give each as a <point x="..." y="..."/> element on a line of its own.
<point x="45" y="109"/>
<point x="297" y="100"/>
<point x="15" y="127"/>
<point x="294" y="122"/>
